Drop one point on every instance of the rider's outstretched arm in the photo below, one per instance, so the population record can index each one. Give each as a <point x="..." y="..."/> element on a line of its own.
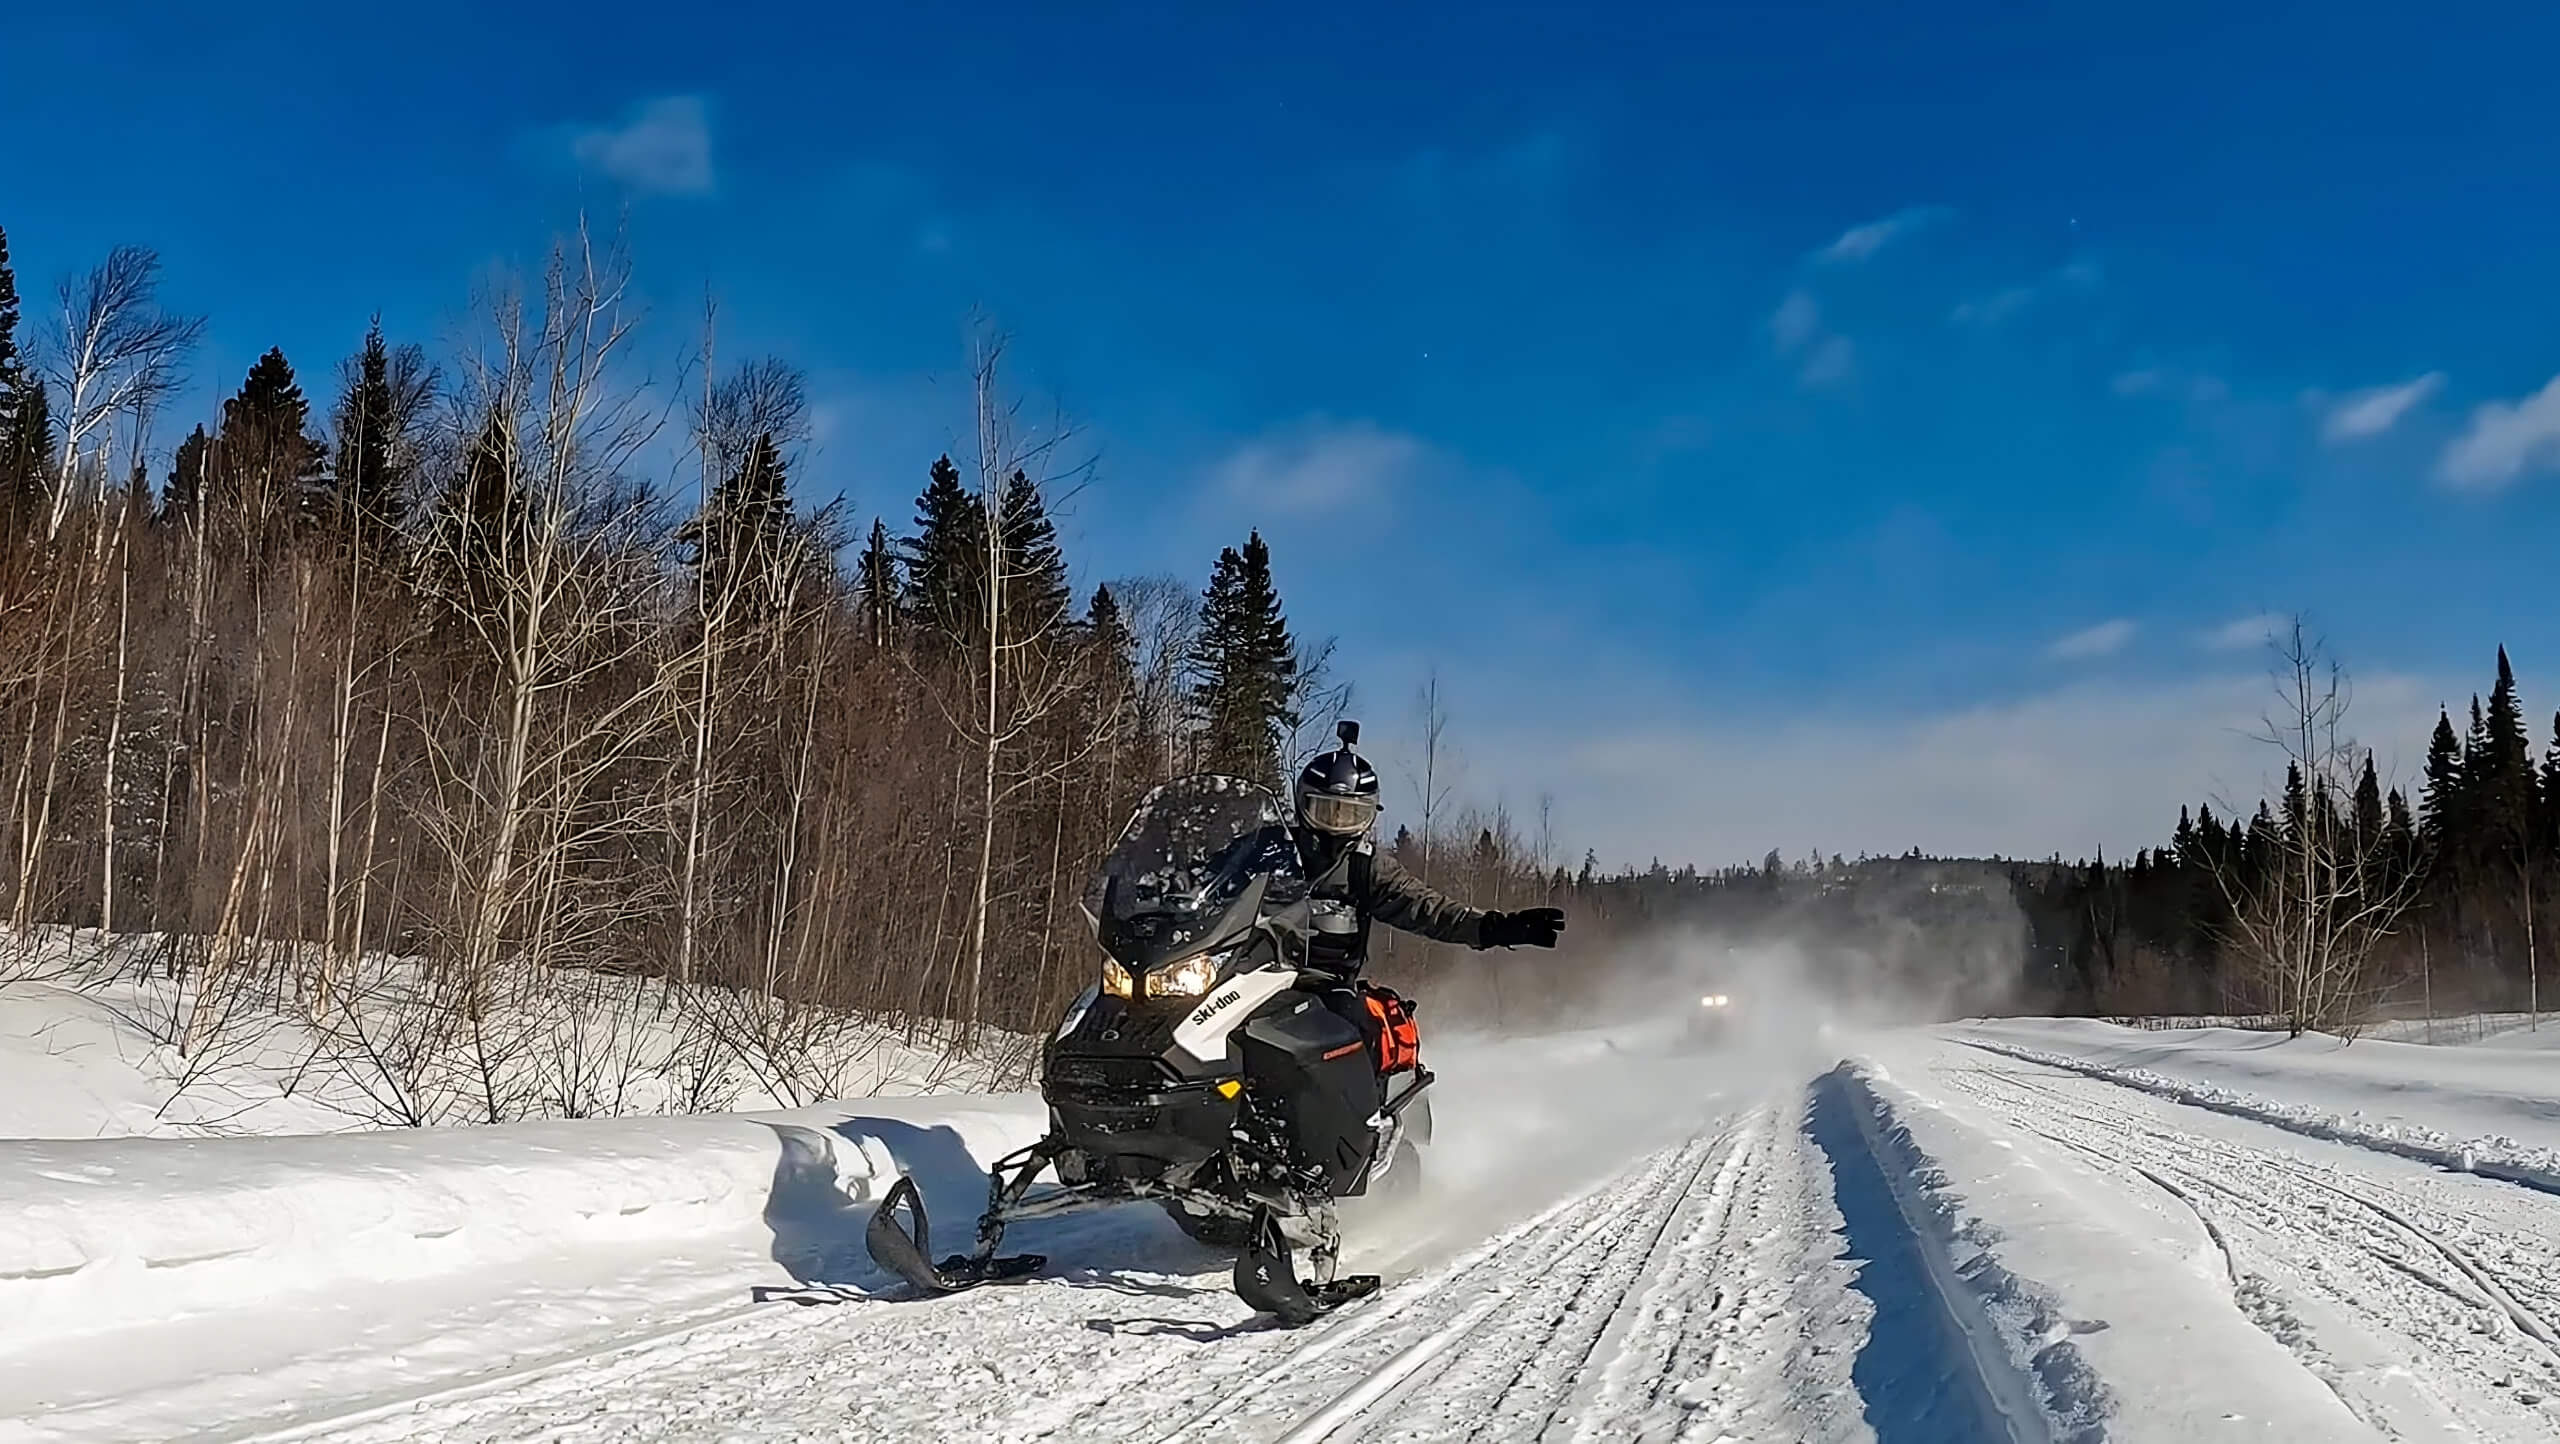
<point x="1406" y="903"/>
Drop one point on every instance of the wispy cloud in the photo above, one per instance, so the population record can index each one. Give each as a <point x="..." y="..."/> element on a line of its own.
<point x="1796" y="321"/>
<point x="2100" y="763"/>
<point x="1795" y="328"/>
<point x="2369" y="413"/>
<point x="2504" y="442"/>
<point x="662" y="146"/>
<point x="2103" y="640"/>
<point x="2000" y="305"/>
<point x="2242" y="633"/>
<point x="1860" y="242"/>
<point x="1317" y="464"/>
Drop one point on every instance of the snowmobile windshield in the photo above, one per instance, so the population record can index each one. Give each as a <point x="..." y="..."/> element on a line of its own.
<point x="1192" y="854"/>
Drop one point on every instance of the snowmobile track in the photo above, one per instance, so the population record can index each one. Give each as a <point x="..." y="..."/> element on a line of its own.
<point x="1517" y="1322"/>
<point x="2310" y="1248"/>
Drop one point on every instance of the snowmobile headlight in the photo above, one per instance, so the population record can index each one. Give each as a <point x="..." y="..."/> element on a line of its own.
<point x="1186" y="979"/>
<point x="1115" y="978"/>
<point x="1714" y="1000"/>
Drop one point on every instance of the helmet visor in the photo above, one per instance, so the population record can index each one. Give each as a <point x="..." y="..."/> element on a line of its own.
<point x="1331" y="812"/>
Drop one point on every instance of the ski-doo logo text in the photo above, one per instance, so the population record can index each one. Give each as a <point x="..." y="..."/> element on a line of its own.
<point x="1220" y="1001"/>
<point x="1203" y="1034"/>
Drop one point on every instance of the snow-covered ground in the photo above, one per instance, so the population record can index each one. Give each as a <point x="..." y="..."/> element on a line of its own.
<point x="2026" y="1230"/>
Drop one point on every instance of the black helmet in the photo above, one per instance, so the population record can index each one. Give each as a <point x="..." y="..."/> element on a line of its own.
<point x="1338" y="790"/>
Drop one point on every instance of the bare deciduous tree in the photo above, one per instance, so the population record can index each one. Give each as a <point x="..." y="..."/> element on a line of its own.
<point x="2308" y="926"/>
<point x="113" y="352"/>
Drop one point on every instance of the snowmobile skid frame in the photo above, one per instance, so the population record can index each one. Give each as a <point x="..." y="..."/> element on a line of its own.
<point x="1266" y="1274"/>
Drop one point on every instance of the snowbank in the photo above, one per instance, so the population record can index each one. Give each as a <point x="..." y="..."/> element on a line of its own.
<point x="89" y="1023"/>
<point x="2125" y="1324"/>
<point x="98" y="1235"/>
<point x="2492" y="1110"/>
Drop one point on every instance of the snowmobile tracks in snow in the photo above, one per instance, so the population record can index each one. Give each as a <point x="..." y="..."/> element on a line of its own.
<point x="2321" y="1258"/>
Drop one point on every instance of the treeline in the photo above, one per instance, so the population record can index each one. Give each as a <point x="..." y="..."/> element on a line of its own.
<point x="2444" y="901"/>
<point x="436" y="667"/>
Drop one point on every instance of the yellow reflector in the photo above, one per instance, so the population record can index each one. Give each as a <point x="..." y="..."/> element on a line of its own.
<point x="1230" y="1088"/>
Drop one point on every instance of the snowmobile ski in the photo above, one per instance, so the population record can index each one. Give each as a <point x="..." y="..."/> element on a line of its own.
<point x="1268" y="1281"/>
<point x="909" y="1254"/>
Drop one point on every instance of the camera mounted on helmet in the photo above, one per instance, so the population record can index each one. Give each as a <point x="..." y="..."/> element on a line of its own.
<point x="1337" y="791"/>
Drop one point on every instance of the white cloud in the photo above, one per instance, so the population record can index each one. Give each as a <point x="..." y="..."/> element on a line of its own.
<point x="1796" y="321"/>
<point x="2095" y="765"/>
<point x="2241" y="633"/>
<point x="1993" y="309"/>
<point x="2103" y="640"/>
<point x="2370" y="413"/>
<point x="1829" y="363"/>
<point x="2505" y="441"/>
<point x="1861" y="242"/>
<point x="662" y="146"/>
<point x="1318" y="464"/>
<point x="1795" y="328"/>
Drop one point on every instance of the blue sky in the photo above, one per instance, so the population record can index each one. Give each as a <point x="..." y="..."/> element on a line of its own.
<point x="1840" y="426"/>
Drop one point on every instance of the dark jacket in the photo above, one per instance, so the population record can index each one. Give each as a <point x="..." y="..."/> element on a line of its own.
<point x="1367" y="885"/>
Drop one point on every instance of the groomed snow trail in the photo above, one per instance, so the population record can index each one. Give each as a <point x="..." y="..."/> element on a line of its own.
<point x="1696" y="1294"/>
<point x="2428" y="1301"/>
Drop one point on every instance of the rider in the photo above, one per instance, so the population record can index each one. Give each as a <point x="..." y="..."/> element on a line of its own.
<point x="1352" y="882"/>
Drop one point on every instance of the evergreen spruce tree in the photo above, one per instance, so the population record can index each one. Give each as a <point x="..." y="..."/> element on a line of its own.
<point x="482" y="524"/>
<point x="26" y="429"/>
<point x="2182" y="842"/>
<point x="366" y="486"/>
<point x="1035" y="574"/>
<point x="1106" y="631"/>
<point x="2440" y="819"/>
<point x="2369" y="821"/>
<point x="946" y="560"/>
<point x="2550" y="798"/>
<point x="2503" y="779"/>
<point x="876" y="585"/>
<point x="740" y="541"/>
<point x="267" y="466"/>
<point x="189" y="472"/>
<point x="1243" y="667"/>
<point x="2400" y="833"/>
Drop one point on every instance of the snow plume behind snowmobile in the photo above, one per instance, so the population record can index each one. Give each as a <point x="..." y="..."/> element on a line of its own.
<point x="1209" y="1070"/>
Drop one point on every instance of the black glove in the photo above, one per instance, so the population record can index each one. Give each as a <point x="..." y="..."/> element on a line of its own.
<point x="1534" y="928"/>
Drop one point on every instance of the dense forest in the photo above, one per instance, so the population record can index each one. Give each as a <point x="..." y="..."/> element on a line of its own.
<point x="499" y="661"/>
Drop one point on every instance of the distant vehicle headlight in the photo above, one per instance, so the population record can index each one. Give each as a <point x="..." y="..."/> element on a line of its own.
<point x="1714" y="1000"/>
<point x="1186" y="979"/>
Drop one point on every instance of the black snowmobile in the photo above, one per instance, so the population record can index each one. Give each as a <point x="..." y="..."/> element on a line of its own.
<point x="1210" y="1070"/>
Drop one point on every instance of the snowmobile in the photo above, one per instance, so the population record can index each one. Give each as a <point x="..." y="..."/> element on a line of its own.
<point x="1209" y="1070"/>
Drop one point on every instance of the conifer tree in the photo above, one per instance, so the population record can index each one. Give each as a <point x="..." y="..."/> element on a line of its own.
<point x="946" y="561"/>
<point x="2369" y="822"/>
<point x="741" y="540"/>
<point x="482" y="526"/>
<point x="876" y="585"/>
<point x="1035" y="580"/>
<point x="189" y="472"/>
<point x="26" y="429"/>
<point x="2441" y="805"/>
<point x="2550" y="798"/>
<point x="1243" y="667"/>
<point x="2503" y="779"/>
<point x="369" y="482"/>
<point x="267" y="465"/>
